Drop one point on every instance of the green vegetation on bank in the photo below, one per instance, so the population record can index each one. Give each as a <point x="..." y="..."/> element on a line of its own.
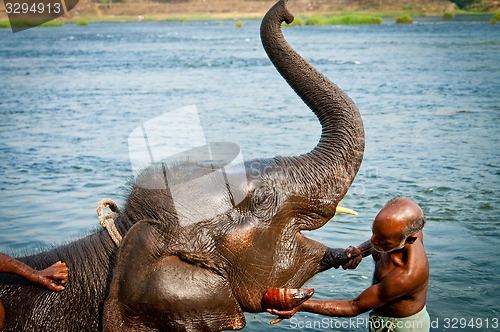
<point x="298" y="21"/>
<point x="448" y="16"/>
<point x="187" y="18"/>
<point x="29" y="24"/>
<point x="82" y="22"/>
<point x="319" y="20"/>
<point x="405" y="19"/>
<point x="495" y="18"/>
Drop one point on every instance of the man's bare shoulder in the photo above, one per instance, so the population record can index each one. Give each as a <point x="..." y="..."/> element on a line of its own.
<point x="409" y="273"/>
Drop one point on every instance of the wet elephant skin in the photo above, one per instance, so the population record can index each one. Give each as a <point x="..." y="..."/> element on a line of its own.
<point x="176" y="271"/>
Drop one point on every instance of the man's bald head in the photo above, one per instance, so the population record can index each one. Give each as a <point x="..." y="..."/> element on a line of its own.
<point x="404" y="214"/>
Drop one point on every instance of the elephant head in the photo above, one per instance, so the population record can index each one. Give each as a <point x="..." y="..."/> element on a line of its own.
<point x="199" y="262"/>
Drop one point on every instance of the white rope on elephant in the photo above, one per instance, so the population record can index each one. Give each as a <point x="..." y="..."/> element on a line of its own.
<point x="107" y="221"/>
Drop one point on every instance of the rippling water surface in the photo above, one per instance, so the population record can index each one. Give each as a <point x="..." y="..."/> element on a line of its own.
<point x="428" y="94"/>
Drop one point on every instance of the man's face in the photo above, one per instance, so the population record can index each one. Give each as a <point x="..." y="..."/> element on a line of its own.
<point x="385" y="245"/>
<point x="387" y="234"/>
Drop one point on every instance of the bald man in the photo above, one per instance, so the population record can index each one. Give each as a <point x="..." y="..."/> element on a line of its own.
<point x="398" y="292"/>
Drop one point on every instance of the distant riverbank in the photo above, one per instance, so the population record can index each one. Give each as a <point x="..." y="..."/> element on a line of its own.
<point x="307" y="12"/>
<point x="300" y="20"/>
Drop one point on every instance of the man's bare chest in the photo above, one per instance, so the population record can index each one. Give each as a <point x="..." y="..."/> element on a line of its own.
<point x="383" y="266"/>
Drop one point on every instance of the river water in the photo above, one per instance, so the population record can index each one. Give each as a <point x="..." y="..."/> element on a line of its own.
<point x="428" y="94"/>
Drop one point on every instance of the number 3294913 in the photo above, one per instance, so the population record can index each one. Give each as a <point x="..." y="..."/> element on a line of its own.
<point x="32" y="8"/>
<point x="472" y="323"/>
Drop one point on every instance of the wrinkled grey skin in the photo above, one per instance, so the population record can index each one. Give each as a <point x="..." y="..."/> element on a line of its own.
<point x="202" y="276"/>
<point x="170" y="275"/>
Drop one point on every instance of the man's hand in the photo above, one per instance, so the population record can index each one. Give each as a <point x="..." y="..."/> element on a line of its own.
<point x="282" y="314"/>
<point x="53" y="277"/>
<point x="356" y="256"/>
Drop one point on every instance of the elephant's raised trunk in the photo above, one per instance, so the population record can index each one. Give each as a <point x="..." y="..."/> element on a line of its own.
<point x="328" y="170"/>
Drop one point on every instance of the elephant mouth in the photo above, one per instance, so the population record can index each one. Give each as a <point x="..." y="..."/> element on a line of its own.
<point x="310" y="245"/>
<point x="285" y="298"/>
<point x="339" y="209"/>
<point x="289" y="293"/>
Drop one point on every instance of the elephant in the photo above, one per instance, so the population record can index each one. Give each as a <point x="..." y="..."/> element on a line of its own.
<point x="176" y="269"/>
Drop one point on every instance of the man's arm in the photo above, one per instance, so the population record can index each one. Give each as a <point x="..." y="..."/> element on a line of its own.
<point x="369" y="299"/>
<point x="365" y="248"/>
<point x="11" y="265"/>
<point x="394" y="285"/>
<point x="46" y="278"/>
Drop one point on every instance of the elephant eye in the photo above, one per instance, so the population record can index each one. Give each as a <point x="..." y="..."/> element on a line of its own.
<point x="263" y="203"/>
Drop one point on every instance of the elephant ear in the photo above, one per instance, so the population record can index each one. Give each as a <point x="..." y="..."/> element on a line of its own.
<point x="168" y="292"/>
<point x="197" y="298"/>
